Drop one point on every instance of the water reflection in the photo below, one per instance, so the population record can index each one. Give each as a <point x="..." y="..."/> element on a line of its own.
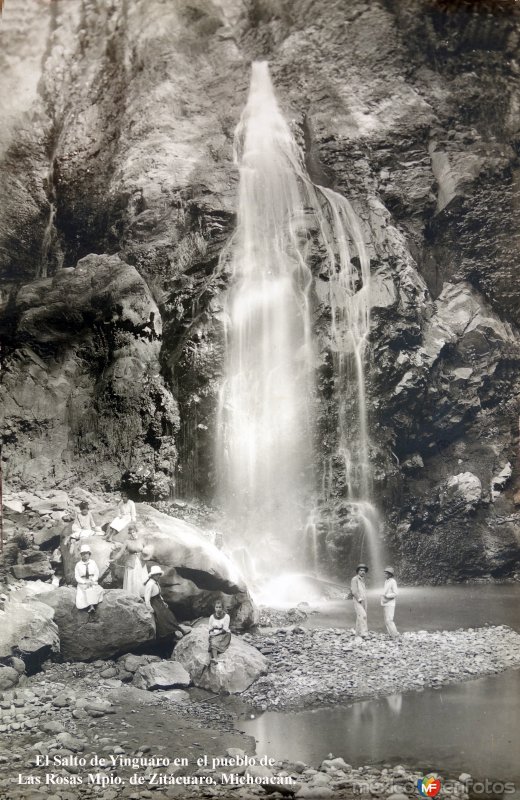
<point x="467" y="727"/>
<point x="395" y="703"/>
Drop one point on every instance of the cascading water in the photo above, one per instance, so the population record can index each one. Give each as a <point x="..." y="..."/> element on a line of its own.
<point x="266" y="424"/>
<point x="264" y="429"/>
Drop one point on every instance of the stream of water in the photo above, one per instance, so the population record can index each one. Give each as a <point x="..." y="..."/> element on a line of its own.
<point x="469" y="727"/>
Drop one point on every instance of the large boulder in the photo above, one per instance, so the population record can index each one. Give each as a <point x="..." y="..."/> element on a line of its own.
<point x="162" y="675"/>
<point x="174" y="543"/>
<point x="9" y="677"/>
<point x="36" y="566"/>
<point x="196" y="573"/>
<point x="461" y="494"/>
<point x="121" y="623"/>
<point x="235" y="670"/>
<point x="27" y="629"/>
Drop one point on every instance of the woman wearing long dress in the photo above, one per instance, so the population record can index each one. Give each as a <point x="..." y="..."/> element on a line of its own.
<point x="219" y="633"/>
<point x="129" y="556"/>
<point x="88" y="594"/>
<point x="165" y="622"/>
<point x="126" y="514"/>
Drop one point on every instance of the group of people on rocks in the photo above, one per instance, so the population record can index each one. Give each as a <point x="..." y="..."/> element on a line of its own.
<point x="136" y="579"/>
<point x="358" y="593"/>
<point x="84" y="525"/>
<point x="146" y="585"/>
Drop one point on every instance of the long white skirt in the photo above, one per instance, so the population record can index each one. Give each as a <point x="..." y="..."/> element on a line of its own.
<point x="121" y="522"/>
<point x="134" y="578"/>
<point x="90" y="596"/>
<point x="84" y="533"/>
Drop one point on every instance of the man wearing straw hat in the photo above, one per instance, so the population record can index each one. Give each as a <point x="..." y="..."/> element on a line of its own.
<point x="388" y="601"/>
<point x="86" y="572"/>
<point x="359" y="597"/>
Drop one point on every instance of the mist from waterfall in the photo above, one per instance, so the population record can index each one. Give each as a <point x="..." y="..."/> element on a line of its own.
<point x="266" y="414"/>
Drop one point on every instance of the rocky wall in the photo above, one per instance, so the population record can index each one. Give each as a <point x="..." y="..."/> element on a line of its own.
<point x="122" y="147"/>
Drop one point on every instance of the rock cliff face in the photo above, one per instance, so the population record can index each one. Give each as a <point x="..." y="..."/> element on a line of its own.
<point x="118" y="192"/>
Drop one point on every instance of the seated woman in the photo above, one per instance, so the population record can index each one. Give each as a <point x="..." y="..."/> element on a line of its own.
<point x="88" y="594"/>
<point x="125" y="515"/>
<point x="219" y="633"/>
<point x="83" y="524"/>
<point x="165" y="622"/>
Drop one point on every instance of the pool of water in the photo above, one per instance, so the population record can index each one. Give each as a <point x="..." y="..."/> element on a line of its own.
<point x="431" y="608"/>
<point x="468" y="727"/>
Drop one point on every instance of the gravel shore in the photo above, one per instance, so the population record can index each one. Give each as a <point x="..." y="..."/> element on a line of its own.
<point x="70" y="711"/>
<point x="319" y="667"/>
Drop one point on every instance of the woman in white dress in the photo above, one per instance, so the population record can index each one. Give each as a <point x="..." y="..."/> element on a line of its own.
<point x="129" y="556"/>
<point x="125" y="515"/>
<point x="88" y="594"/>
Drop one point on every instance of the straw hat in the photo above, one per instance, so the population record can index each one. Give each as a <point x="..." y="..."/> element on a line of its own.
<point x="156" y="571"/>
<point x="361" y="566"/>
<point x="85" y="548"/>
<point x="390" y="570"/>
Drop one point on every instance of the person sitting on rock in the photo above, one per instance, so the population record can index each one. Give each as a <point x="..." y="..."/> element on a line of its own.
<point x="125" y="515"/>
<point x="83" y="524"/>
<point x="219" y="633"/>
<point x="165" y="622"/>
<point x="359" y="597"/>
<point x="88" y="594"/>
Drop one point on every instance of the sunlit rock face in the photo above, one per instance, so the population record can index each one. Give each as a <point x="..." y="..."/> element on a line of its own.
<point x="120" y="144"/>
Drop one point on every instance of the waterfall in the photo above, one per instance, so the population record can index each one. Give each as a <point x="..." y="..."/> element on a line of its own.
<point x="266" y="413"/>
<point x="51" y="255"/>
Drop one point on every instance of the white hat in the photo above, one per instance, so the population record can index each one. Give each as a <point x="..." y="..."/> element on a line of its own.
<point x="156" y="571"/>
<point x="85" y="548"/>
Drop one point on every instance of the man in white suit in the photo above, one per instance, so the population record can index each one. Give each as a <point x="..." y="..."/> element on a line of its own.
<point x="388" y="601"/>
